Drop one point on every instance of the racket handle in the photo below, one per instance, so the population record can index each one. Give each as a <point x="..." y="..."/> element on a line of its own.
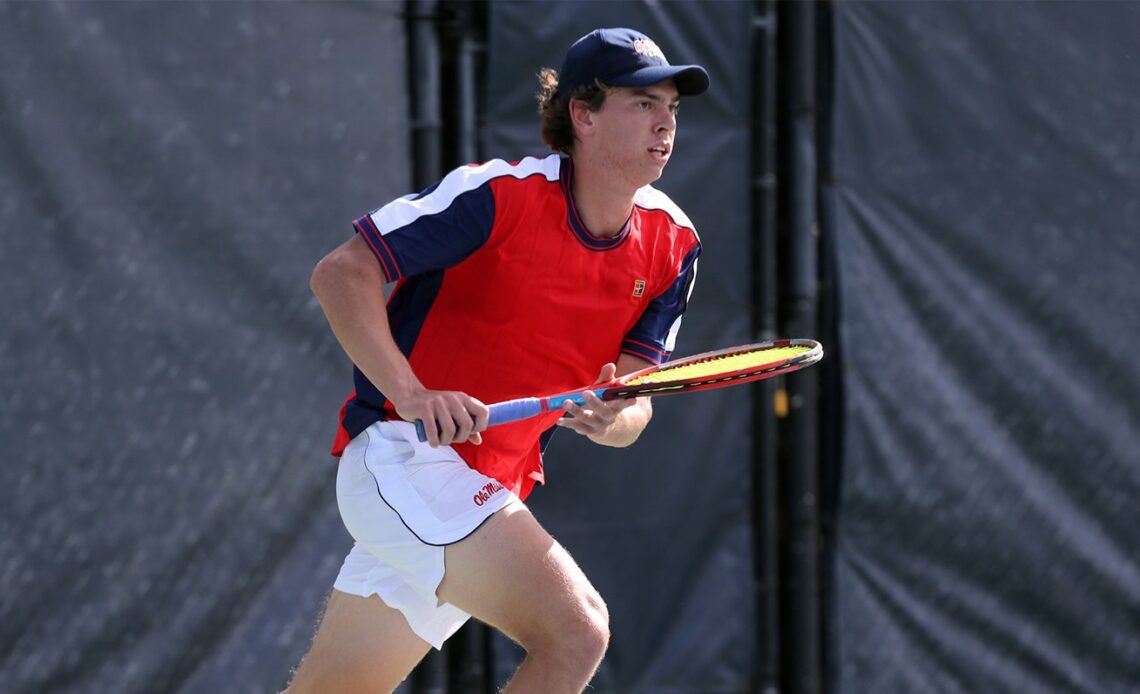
<point x="522" y="408"/>
<point x="501" y="413"/>
<point x="514" y="410"/>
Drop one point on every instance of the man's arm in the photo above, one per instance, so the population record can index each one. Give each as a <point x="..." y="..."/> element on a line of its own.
<point x="349" y="284"/>
<point x="616" y="423"/>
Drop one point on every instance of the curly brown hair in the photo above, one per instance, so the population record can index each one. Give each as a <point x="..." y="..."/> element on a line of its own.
<point x="557" y="128"/>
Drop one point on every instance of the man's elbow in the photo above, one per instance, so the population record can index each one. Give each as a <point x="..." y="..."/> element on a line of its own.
<point x="340" y="267"/>
<point x="322" y="276"/>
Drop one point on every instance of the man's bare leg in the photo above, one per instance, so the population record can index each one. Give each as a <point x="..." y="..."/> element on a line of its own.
<point x="362" y="645"/>
<point x="511" y="574"/>
<point x="514" y="576"/>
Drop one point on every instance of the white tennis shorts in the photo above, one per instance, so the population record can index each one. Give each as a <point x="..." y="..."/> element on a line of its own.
<point x="403" y="502"/>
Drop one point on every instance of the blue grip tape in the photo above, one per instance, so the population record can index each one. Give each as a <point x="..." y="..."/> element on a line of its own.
<point x="514" y="410"/>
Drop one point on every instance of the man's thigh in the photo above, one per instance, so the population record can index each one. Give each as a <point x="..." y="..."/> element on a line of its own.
<point x="362" y="645"/>
<point x="514" y="576"/>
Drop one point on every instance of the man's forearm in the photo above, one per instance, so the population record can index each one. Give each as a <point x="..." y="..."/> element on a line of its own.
<point x="628" y="425"/>
<point x="351" y="293"/>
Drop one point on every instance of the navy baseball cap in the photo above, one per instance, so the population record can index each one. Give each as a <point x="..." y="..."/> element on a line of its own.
<point x="625" y="58"/>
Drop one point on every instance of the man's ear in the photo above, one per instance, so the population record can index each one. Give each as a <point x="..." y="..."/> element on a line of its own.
<point x="581" y="115"/>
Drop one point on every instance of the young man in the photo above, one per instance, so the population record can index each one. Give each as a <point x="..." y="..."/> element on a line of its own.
<point x="513" y="279"/>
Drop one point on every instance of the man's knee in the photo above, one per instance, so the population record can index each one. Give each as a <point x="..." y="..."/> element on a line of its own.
<point x="599" y="623"/>
<point x="580" y="634"/>
<point x="593" y="637"/>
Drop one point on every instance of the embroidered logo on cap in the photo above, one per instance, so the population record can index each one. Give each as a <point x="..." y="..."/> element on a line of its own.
<point x="647" y="47"/>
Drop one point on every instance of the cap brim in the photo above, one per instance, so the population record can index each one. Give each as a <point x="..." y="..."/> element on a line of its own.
<point x="690" y="80"/>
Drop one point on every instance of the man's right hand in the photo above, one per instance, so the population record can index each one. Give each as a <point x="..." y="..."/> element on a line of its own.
<point x="449" y="416"/>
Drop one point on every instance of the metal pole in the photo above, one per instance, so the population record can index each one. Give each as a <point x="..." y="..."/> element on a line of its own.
<point x="802" y="297"/>
<point x="467" y="142"/>
<point x="424" y="86"/>
<point x="765" y="490"/>
<point x="829" y="373"/>
<point x="430" y="676"/>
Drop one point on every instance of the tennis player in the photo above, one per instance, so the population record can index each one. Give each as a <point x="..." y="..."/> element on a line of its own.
<point x="512" y="279"/>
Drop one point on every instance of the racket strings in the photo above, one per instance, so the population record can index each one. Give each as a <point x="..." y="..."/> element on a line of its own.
<point x="723" y="364"/>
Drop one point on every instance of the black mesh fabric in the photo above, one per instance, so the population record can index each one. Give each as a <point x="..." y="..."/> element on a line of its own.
<point x="169" y="175"/>
<point x="988" y="231"/>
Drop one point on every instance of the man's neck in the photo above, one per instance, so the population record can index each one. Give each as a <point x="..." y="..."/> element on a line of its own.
<point x="603" y="204"/>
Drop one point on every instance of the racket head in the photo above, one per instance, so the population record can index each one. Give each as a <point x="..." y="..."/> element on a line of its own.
<point x="719" y="368"/>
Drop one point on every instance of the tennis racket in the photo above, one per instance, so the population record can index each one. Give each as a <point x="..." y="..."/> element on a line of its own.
<point x="725" y="367"/>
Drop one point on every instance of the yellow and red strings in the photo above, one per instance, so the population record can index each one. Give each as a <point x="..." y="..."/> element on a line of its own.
<point x="727" y="363"/>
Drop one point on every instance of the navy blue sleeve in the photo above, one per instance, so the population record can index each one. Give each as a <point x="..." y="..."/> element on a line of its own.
<point x="435" y="229"/>
<point x="654" y="335"/>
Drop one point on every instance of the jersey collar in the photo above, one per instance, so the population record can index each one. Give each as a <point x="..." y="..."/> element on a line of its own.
<point x="594" y="243"/>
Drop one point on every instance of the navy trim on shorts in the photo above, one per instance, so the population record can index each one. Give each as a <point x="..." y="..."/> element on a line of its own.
<point x="413" y="532"/>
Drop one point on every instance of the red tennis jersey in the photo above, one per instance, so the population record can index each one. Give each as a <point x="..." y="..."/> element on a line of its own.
<point x="503" y="293"/>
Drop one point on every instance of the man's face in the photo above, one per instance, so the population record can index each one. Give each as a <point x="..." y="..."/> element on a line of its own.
<point x="637" y="127"/>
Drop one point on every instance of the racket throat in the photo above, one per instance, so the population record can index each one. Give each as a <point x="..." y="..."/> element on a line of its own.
<point x="578" y="397"/>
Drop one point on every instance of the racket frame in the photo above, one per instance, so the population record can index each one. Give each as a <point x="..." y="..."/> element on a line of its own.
<point x="524" y="408"/>
<point x="621" y="388"/>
